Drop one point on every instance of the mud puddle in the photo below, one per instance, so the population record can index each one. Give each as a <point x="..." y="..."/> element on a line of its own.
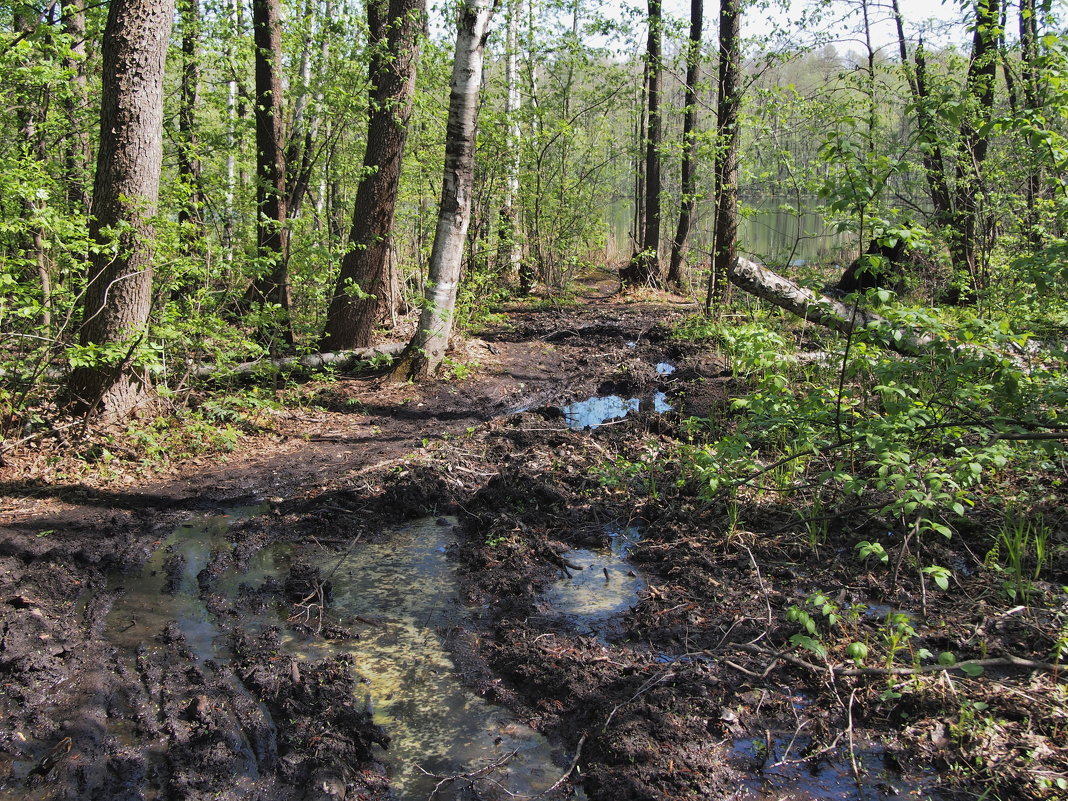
<point x="784" y="769"/>
<point x="402" y="595"/>
<point x="167" y="591"/>
<point x="400" y="598"/>
<point x="599" y="410"/>
<point x="598" y="585"/>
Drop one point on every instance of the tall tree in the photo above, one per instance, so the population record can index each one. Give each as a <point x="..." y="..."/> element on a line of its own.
<point x="394" y="27"/>
<point x="725" y="251"/>
<point x="271" y="286"/>
<point x="510" y="257"/>
<point x="680" y="243"/>
<point x="974" y="133"/>
<point x="189" y="215"/>
<point x="644" y="267"/>
<point x="118" y="296"/>
<point x="425" y="352"/>
<point x="1029" y="72"/>
<point x="78" y="150"/>
<point x="33" y="99"/>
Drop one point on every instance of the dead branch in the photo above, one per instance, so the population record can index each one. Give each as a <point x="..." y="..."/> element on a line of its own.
<point x="756" y="279"/>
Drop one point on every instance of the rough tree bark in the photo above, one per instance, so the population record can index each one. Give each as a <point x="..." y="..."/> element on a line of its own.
<point x="644" y="266"/>
<point x="118" y="297"/>
<point x="680" y="244"/>
<point x="726" y="163"/>
<point x="360" y="290"/>
<point x="272" y="238"/>
<point x="426" y="351"/>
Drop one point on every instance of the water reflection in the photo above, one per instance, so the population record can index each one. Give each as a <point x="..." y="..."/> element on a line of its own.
<point x="598" y="410"/>
<point x="399" y="596"/>
<point x="599" y="584"/>
<point x="406" y="589"/>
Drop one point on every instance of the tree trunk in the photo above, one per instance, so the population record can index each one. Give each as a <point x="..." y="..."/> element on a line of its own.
<point x="638" y="224"/>
<point x="725" y="252"/>
<point x="189" y="212"/>
<point x="510" y="256"/>
<point x="78" y="149"/>
<point x="118" y="297"/>
<point x="298" y="155"/>
<point x="933" y="159"/>
<point x="426" y="351"/>
<point x="271" y="287"/>
<point x="1031" y="103"/>
<point x="974" y="136"/>
<point x="758" y="280"/>
<point x="644" y="267"/>
<point x="358" y="297"/>
<point x="680" y="243"/>
<point x="31" y="99"/>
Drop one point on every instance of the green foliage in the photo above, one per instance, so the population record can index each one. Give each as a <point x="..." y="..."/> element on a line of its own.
<point x="1024" y="545"/>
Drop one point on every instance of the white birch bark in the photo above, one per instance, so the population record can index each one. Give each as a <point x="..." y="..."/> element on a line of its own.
<point x="427" y="348"/>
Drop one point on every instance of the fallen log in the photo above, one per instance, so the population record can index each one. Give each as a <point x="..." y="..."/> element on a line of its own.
<point x="756" y="279"/>
<point x="340" y="360"/>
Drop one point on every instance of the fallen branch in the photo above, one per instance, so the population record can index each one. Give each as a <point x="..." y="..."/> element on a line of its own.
<point x="756" y="279"/>
<point x="340" y="360"/>
<point x="841" y="670"/>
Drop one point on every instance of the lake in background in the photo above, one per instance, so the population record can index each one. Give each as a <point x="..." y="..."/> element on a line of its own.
<point x="773" y="230"/>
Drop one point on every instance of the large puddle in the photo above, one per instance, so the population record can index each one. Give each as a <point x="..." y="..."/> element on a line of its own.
<point x="401" y="598"/>
<point x="167" y="590"/>
<point x="406" y="591"/>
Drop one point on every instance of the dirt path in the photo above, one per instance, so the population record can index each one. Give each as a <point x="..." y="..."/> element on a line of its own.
<point x="81" y="720"/>
<point x="683" y="685"/>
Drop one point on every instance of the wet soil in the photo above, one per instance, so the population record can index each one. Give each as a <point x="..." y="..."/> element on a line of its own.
<point x="682" y="685"/>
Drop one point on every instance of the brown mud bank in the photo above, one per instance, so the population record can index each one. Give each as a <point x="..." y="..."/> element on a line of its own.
<point x="571" y="620"/>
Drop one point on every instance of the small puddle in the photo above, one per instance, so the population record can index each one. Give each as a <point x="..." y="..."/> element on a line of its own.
<point x="398" y="596"/>
<point x="665" y="368"/>
<point x="601" y="586"/>
<point x="598" y="410"/>
<point x="783" y="773"/>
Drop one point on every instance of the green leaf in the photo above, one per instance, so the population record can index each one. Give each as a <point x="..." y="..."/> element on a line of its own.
<point x="947" y="659"/>
<point x="972" y="670"/>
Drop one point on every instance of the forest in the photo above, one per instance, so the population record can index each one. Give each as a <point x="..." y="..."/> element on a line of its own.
<point x="533" y="399"/>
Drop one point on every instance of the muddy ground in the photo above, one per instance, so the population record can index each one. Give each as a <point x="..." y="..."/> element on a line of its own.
<point x="695" y="692"/>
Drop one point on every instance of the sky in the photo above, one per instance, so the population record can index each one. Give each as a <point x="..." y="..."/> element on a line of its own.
<point x="841" y="20"/>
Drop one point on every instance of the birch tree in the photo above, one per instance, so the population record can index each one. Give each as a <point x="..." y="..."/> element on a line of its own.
<point x="426" y="350"/>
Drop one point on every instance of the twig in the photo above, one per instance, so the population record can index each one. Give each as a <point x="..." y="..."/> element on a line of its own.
<point x="1001" y="661"/>
<point x="471" y="776"/>
<point x="763" y="589"/>
<point x="790" y="744"/>
<point x="568" y="772"/>
<point x="646" y="687"/>
<point x="852" y="751"/>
